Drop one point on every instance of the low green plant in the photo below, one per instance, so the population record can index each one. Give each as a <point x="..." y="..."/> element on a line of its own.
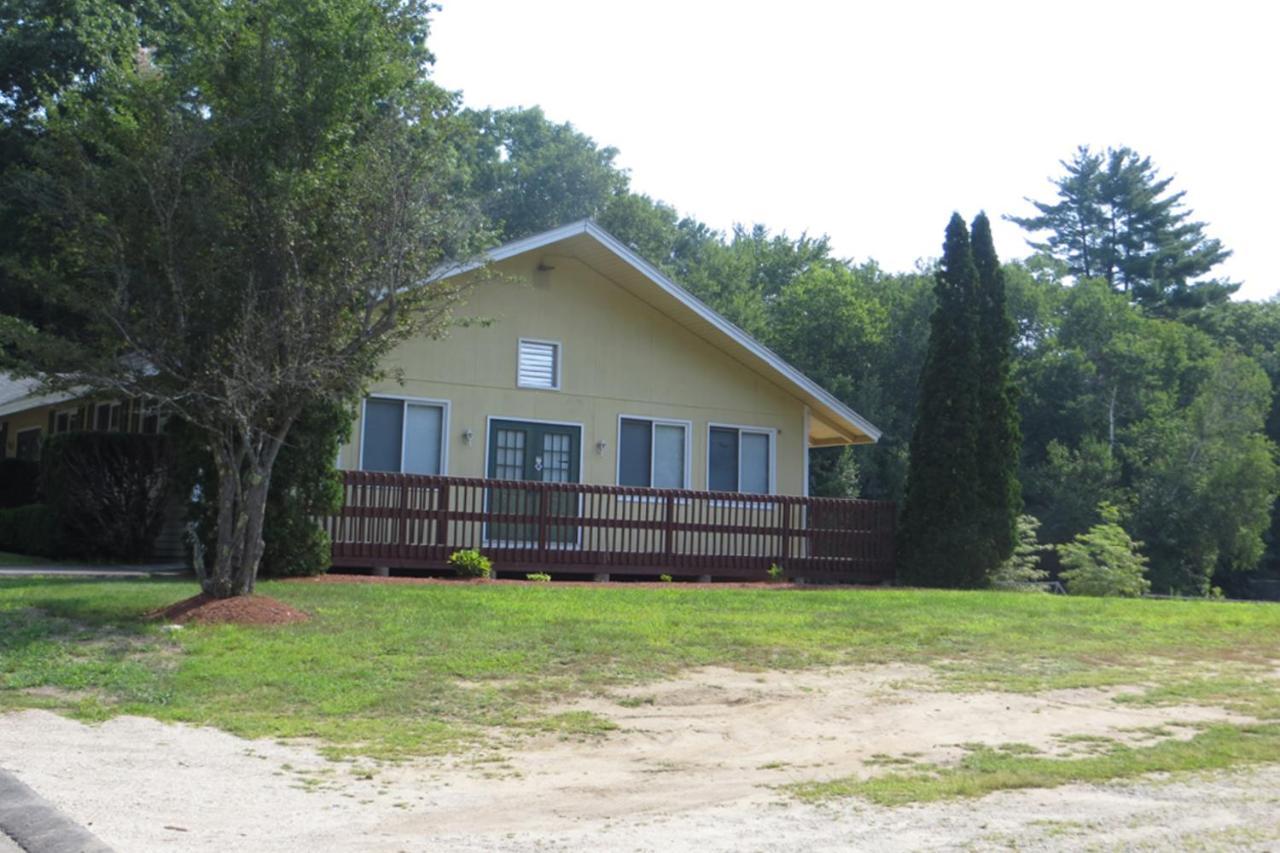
<point x="665" y="578"/>
<point x="540" y="577"/>
<point x="1023" y="566"/>
<point x="775" y="573"/>
<point x="470" y="563"/>
<point x="1104" y="561"/>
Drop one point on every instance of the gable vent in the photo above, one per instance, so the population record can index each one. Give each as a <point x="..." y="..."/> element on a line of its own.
<point x="539" y="365"/>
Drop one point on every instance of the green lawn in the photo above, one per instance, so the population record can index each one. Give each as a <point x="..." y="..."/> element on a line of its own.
<point x="396" y="670"/>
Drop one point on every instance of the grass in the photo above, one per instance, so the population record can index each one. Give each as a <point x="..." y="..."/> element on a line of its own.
<point x="985" y="770"/>
<point x="397" y="670"/>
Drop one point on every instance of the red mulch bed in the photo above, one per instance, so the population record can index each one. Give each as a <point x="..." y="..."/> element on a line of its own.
<point x="239" y="610"/>
<point x="400" y="579"/>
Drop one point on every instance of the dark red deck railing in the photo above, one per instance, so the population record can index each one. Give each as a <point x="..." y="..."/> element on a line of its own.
<point x="416" y="521"/>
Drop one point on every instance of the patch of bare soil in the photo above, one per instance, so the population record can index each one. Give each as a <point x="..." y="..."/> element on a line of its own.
<point x="695" y="765"/>
<point x="238" y="610"/>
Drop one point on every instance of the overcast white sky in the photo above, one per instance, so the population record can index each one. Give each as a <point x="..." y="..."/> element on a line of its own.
<point x="872" y="121"/>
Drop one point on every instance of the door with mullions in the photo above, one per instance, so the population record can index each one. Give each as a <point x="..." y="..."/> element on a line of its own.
<point x="546" y="453"/>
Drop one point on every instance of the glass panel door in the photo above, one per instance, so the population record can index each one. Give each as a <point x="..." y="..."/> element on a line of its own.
<point x="547" y="453"/>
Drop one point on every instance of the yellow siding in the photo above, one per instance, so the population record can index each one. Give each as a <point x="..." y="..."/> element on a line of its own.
<point x="620" y="356"/>
<point x="20" y="421"/>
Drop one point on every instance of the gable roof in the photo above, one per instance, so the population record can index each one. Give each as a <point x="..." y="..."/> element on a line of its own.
<point x="600" y="250"/>
<point x="20" y="394"/>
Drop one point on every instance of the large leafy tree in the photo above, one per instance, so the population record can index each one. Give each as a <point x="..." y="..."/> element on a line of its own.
<point x="940" y="537"/>
<point x="248" y="211"/>
<point x="1116" y="218"/>
<point x="532" y="174"/>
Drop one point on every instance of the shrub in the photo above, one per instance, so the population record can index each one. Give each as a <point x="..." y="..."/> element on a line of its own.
<point x="1023" y="566"/>
<point x="19" y="482"/>
<point x="107" y="491"/>
<point x="775" y="573"/>
<point x="471" y="563"/>
<point x="665" y="578"/>
<point x="1105" y="560"/>
<point x="31" y="529"/>
<point x="540" y="577"/>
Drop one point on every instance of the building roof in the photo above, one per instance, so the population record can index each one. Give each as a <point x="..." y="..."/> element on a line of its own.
<point x="831" y="421"/>
<point x="17" y="394"/>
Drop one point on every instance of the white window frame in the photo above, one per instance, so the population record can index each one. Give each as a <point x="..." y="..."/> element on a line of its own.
<point x="558" y="359"/>
<point x="405" y="401"/>
<point x="71" y="415"/>
<point x="109" y="405"/>
<point x="772" y="432"/>
<point x="688" y="451"/>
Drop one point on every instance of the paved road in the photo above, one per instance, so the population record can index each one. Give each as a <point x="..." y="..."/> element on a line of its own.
<point x="26" y="815"/>
<point x="89" y="570"/>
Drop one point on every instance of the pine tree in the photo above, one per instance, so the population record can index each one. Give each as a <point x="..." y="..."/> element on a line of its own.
<point x="999" y="441"/>
<point x="939" y="527"/>
<point x="1116" y="218"/>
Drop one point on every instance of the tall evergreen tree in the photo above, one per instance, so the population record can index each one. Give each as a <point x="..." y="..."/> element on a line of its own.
<point x="999" y="434"/>
<point x="940" y="522"/>
<point x="1116" y="218"/>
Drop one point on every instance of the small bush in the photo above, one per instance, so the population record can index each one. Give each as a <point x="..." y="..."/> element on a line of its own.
<point x="471" y="563"/>
<point x="775" y="573"/>
<point x="540" y="577"/>
<point x="31" y="529"/>
<point x="665" y="578"/>
<point x="19" y="482"/>
<point x="1023" y="567"/>
<point x="1105" y="560"/>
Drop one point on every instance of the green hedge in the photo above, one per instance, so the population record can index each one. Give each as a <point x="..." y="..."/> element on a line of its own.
<point x="31" y="529"/>
<point x="107" y="491"/>
<point x="19" y="481"/>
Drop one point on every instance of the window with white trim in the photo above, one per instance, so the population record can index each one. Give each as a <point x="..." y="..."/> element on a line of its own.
<point x="653" y="453"/>
<point x="402" y="436"/>
<point x="539" y="365"/>
<point x="65" y="421"/>
<point x="106" y="417"/>
<point x="740" y="460"/>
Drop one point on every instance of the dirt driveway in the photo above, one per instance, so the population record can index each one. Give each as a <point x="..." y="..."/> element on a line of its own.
<point x="695" y="764"/>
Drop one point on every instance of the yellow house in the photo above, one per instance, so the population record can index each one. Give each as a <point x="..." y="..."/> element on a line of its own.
<point x="661" y="437"/>
<point x="592" y="366"/>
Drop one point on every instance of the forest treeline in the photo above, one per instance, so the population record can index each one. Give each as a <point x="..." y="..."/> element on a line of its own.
<point x="1139" y="383"/>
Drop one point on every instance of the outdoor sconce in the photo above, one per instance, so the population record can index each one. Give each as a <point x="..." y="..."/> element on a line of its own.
<point x="600" y="446"/>
<point x="467" y="435"/>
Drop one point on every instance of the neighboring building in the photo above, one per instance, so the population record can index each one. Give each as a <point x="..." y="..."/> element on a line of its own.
<point x="596" y="368"/>
<point x="28" y="416"/>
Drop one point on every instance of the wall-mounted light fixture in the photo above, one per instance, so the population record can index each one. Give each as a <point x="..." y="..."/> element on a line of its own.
<point x="600" y="447"/>
<point x="467" y="435"/>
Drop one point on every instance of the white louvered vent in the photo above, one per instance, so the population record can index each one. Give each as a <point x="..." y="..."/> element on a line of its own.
<point x="539" y="365"/>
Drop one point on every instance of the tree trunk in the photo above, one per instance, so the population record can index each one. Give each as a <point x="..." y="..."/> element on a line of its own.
<point x="244" y="478"/>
